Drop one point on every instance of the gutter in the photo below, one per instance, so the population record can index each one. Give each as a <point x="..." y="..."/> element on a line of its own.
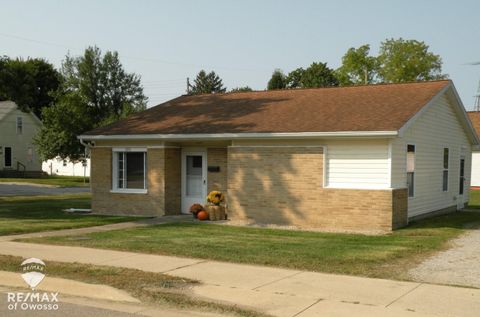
<point x="244" y="136"/>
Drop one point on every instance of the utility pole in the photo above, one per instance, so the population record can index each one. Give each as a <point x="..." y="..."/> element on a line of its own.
<point x="477" y="99"/>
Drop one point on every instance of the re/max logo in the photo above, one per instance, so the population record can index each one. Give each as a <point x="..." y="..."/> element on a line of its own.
<point x="32" y="297"/>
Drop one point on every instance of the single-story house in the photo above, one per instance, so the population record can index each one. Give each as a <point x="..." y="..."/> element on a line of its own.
<point x="475" y="175"/>
<point x="356" y="158"/>
<point x="18" y="153"/>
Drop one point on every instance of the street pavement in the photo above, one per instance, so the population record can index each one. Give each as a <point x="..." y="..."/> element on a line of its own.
<point x="16" y="189"/>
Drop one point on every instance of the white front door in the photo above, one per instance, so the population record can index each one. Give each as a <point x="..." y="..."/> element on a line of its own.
<point x="194" y="179"/>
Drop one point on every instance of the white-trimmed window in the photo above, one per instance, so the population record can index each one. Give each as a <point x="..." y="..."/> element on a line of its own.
<point x="19" y="125"/>
<point x="30" y="155"/>
<point x="411" y="170"/>
<point x="129" y="170"/>
<point x="446" y="161"/>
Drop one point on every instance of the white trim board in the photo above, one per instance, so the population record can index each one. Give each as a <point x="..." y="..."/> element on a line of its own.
<point x="246" y="136"/>
<point x="273" y="146"/>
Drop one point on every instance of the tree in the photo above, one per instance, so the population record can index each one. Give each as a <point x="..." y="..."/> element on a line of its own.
<point x="294" y="78"/>
<point x="207" y="83"/>
<point x="408" y="60"/>
<point x="357" y="67"/>
<point x="241" y="89"/>
<point x="277" y="81"/>
<point x="29" y="83"/>
<point x="96" y="91"/>
<point x="318" y="75"/>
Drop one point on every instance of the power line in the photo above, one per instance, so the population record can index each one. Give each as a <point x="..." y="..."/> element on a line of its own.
<point x="151" y="60"/>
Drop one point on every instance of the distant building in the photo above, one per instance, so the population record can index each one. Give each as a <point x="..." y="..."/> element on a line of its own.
<point x="475" y="182"/>
<point x="58" y="166"/>
<point x="17" y="130"/>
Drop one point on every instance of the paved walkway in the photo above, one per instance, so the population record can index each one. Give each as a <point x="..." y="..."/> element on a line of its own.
<point x="116" y="226"/>
<point x="459" y="265"/>
<point x="279" y="292"/>
<point x="17" y="189"/>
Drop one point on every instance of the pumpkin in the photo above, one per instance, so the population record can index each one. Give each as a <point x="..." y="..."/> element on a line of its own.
<point x="202" y="215"/>
<point x="195" y="209"/>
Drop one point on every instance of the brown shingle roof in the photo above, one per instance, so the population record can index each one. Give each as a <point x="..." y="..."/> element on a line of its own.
<point x="475" y="119"/>
<point x="385" y="107"/>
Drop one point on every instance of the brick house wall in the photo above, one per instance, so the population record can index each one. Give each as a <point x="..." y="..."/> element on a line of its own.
<point x="284" y="185"/>
<point x="151" y="204"/>
<point x="217" y="180"/>
<point x="173" y="179"/>
<point x="265" y="185"/>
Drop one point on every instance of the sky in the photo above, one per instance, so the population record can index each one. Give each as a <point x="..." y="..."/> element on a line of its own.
<point x="242" y="41"/>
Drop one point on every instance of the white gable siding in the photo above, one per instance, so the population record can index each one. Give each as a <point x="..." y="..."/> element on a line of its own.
<point x="358" y="164"/>
<point x="435" y="129"/>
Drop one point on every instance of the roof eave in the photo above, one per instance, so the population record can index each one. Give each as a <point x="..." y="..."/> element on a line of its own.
<point x="229" y="136"/>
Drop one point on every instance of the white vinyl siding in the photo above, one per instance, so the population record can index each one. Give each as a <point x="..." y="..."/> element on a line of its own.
<point x="475" y="168"/>
<point x="436" y="129"/>
<point x="358" y="164"/>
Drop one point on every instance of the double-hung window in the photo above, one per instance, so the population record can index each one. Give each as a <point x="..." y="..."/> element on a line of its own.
<point x="411" y="170"/>
<point x="129" y="170"/>
<point x="446" y="158"/>
<point x="19" y="125"/>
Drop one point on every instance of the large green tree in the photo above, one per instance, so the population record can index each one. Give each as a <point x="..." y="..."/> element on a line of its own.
<point x="241" y="89"/>
<point x="277" y="81"/>
<point x="207" y="83"/>
<point x="407" y="60"/>
<point x="294" y="78"/>
<point x="30" y="83"/>
<point x="96" y="91"/>
<point x="318" y="75"/>
<point x="358" y="67"/>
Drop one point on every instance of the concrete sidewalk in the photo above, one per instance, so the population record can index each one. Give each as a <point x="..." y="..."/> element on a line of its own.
<point x="275" y="291"/>
<point x="142" y="222"/>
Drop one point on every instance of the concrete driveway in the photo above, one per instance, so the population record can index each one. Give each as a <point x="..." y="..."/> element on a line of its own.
<point x="17" y="189"/>
<point x="457" y="265"/>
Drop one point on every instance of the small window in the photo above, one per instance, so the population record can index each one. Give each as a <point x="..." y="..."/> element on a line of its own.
<point x="411" y="170"/>
<point x="64" y="162"/>
<point x="130" y="170"/>
<point x="446" y="157"/>
<point x="19" y="125"/>
<point x="462" y="176"/>
<point x="30" y="155"/>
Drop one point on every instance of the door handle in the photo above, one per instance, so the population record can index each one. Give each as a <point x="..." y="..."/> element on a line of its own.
<point x="204" y="182"/>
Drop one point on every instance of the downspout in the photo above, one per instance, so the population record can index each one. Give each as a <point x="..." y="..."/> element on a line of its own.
<point x="87" y="146"/>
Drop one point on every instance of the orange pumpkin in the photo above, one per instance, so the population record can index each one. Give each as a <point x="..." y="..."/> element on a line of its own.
<point x="202" y="215"/>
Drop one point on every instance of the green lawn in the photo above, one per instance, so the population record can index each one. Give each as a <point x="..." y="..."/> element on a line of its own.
<point x="386" y="256"/>
<point x="474" y="199"/>
<point x="22" y="214"/>
<point x="61" y="181"/>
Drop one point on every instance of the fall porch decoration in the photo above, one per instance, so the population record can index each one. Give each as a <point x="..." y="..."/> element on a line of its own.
<point x="202" y="215"/>
<point x="195" y="209"/>
<point x="215" y="197"/>
<point x="215" y="210"/>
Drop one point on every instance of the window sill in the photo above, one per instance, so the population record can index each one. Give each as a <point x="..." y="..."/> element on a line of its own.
<point x="129" y="191"/>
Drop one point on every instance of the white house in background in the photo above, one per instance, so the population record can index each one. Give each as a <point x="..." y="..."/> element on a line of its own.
<point x="475" y="178"/>
<point x="62" y="167"/>
<point x="17" y="130"/>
